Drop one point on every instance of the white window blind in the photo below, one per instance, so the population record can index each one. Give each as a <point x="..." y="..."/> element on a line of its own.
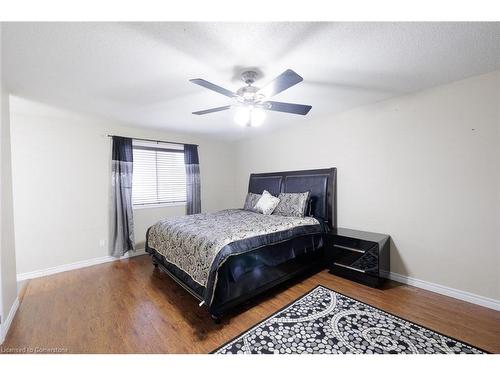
<point x="159" y="173"/>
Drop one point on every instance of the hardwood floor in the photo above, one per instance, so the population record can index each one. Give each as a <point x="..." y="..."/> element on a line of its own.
<point x="129" y="307"/>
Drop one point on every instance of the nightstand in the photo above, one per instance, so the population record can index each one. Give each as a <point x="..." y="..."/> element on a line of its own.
<point x="359" y="256"/>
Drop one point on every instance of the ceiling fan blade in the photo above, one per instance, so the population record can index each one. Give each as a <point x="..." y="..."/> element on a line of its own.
<point x="218" y="109"/>
<point x="213" y="87"/>
<point x="298" y="109"/>
<point x="282" y="82"/>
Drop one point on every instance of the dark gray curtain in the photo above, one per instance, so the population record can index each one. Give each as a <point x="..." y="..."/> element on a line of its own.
<point x="122" y="221"/>
<point x="193" y="189"/>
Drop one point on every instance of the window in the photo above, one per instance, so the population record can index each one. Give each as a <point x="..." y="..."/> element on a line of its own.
<point x="159" y="174"/>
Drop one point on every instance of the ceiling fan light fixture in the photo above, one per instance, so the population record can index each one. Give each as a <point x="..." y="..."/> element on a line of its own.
<point x="242" y="116"/>
<point x="249" y="116"/>
<point x="258" y="116"/>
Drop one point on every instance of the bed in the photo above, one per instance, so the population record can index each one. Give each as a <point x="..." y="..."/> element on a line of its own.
<point x="227" y="257"/>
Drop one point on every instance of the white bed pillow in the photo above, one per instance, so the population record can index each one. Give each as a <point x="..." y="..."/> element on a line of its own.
<point x="266" y="204"/>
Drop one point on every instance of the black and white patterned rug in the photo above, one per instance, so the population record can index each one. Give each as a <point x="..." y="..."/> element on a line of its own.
<point x="326" y="322"/>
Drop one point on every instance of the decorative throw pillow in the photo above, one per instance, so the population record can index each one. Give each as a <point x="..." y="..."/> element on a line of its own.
<point x="266" y="204"/>
<point x="250" y="201"/>
<point x="292" y="204"/>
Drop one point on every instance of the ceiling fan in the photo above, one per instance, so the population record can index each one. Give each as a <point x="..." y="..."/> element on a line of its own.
<point x="251" y="101"/>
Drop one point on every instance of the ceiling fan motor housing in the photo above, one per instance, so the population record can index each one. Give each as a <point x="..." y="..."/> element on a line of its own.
<point x="249" y="76"/>
<point x="248" y="94"/>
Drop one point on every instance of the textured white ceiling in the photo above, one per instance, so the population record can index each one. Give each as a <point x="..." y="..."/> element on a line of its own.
<point x="138" y="72"/>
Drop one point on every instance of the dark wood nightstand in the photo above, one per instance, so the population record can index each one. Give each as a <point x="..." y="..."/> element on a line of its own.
<point x="359" y="256"/>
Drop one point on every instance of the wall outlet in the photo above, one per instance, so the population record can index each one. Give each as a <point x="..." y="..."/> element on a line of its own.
<point x="102" y="243"/>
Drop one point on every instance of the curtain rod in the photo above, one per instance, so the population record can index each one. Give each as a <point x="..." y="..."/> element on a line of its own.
<point x="151" y="140"/>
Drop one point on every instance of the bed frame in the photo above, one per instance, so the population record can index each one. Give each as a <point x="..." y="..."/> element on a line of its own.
<point x="321" y="183"/>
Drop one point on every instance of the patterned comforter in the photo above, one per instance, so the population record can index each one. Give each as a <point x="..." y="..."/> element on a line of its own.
<point x="199" y="244"/>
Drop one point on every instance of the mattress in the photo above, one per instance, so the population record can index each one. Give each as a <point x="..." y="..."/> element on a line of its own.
<point x="199" y="244"/>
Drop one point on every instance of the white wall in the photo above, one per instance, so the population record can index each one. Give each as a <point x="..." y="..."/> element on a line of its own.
<point x="8" y="250"/>
<point x="8" y="293"/>
<point x="2" y="115"/>
<point x="424" y="168"/>
<point x="61" y="165"/>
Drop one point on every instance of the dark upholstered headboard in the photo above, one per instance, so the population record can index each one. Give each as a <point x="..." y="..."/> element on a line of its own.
<point x="321" y="183"/>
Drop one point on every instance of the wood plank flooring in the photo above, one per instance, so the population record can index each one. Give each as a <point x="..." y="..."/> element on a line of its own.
<point x="129" y="307"/>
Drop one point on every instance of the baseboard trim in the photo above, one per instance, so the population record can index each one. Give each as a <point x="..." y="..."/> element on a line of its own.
<point x="445" y="290"/>
<point x="433" y="287"/>
<point x="75" y="265"/>
<point x="8" y="321"/>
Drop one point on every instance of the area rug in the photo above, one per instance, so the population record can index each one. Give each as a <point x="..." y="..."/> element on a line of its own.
<point x="326" y="322"/>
